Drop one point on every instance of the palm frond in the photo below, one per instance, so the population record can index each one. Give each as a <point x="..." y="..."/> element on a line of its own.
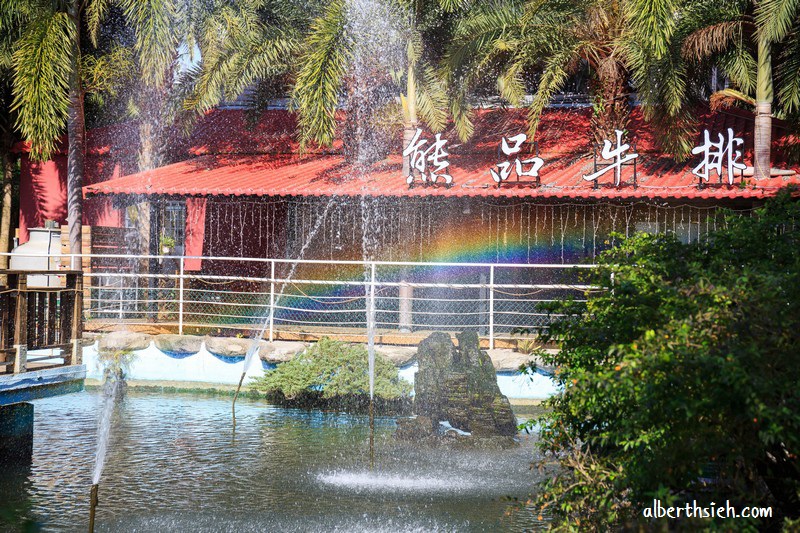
<point x="553" y="77"/>
<point x="106" y="73"/>
<point x="775" y="18"/>
<point x="42" y="68"/>
<point x="787" y="76"/>
<point x="156" y="43"/>
<point x="653" y="21"/>
<point x="316" y="92"/>
<point x="511" y="84"/>
<point x="245" y="60"/>
<point x="740" y="66"/>
<point x="96" y="11"/>
<point x="726" y="97"/>
<point x="712" y="39"/>
<point x="431" y="97"/>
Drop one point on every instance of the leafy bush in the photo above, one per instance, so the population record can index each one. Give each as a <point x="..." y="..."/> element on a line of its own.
<point x="330" y="372"/>
<point x="680" y="378"/>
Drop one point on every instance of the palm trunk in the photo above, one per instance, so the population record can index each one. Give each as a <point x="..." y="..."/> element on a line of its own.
<point x="5" y="208"/>
<point x="410" y="121"/>
<point x="77" y="147"/>
<point x="612" y="108"/>
<point x="763" y="127"/>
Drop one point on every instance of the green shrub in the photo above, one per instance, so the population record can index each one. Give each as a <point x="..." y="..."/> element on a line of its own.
<point x="680" y="379"/>
<point x="331" y="372"/>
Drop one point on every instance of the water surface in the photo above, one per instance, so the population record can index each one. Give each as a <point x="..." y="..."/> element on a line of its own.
<point x="174" y="464"/>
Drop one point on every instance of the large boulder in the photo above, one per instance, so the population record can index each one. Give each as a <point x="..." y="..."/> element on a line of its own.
<point x="280" y="351"/>
<point x="123" y="341"/>
<point x="398" y="355"/>
<point x="456" y="387"/>
<point x="178" y="344"/>
<point x="228" y="346"/>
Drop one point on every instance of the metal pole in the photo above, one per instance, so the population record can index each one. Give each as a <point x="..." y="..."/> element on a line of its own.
<point x="371" y="322"/>
<point x="272" y="302"/>
<point x="491" y="307"/>
<point x="180" y="299"/>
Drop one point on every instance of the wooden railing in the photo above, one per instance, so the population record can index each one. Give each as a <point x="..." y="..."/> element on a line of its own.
<point x="40" y="318"/>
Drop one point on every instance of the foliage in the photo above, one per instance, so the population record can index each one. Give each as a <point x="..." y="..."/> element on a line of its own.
<point x="248" y="44"/>
<point x="545" y="44"/>
<point x="49" y="56"/>
<point x="166" y="241"/>
<point x="334" y="369"/>
<point x="327" y="67"/>
<point x="671" y="66"/>
<point x="680" y="376"/>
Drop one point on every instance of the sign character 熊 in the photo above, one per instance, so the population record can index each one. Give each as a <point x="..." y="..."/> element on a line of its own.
<point x="420" y="157"/>
<point x="719" y="154"/>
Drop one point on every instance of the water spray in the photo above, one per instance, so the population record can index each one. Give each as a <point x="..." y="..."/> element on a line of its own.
<point x="254" y="348"/>
<point x="92" y="506"/>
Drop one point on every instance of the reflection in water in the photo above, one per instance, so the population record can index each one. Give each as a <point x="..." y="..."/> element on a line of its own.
<point x="172" y="466"/>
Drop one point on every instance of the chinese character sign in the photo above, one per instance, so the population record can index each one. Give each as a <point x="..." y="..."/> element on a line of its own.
<point x="617" y="156"/>
<point x="504" y="169"/>
<point x="720" y="156"/>
<point x="430" y="162"/>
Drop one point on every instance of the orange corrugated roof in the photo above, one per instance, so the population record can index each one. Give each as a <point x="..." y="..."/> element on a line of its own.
<point x="564" y="144"/>
<point x="321" y="175"/>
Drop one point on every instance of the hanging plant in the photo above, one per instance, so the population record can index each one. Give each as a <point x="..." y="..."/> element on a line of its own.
<point x="166" y="244"/>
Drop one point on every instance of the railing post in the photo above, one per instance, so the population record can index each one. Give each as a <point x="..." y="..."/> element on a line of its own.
<point x="21" y="326"/>
<point x="491" y="307"/>
<point x="272" y="302"/>
<point x="180" y="298"/>
<point x="371" y="306"/>
<point x="77" y="319"/>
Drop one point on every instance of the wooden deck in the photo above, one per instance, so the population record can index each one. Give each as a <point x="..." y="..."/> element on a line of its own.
<point x="40" y="326"/>
<point x="286" y="333"/>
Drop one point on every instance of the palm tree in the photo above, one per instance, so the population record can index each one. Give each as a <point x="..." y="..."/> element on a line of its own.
<point x="48" y="82"/>
<point x="244" y="45"/>
<point x="546" y="43"/>
<point x="738" y="37"/>
<point x="8" y="33"/>
<point x="329" y="54"/>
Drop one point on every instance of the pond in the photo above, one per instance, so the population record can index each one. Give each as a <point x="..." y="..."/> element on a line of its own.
<point x="174" y="464"/>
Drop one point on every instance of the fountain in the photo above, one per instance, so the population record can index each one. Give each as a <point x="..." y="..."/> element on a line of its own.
<point x="114" y="365"/>
<point x="265" y="324"/>
<point x="284" y="458"/>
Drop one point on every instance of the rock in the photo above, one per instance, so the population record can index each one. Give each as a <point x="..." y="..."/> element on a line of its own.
<point x="506" y="360"/>
<point x="459" y="385"/>
<point x="280" y="351"/>
<point x="398" y="355"/>
<point x="89" y="338"/>
<point x="119" y="341"/>
<point x="228" y="346"/>
<point x="178" y="344"/>
<point x="414" y="428"/>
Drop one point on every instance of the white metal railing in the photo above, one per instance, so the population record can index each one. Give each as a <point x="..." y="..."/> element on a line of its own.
<point x="288" y="295"/>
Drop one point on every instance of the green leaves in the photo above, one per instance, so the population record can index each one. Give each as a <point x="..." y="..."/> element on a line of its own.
<point x="42" y="68"/>
<point x="684" y="368"/>
<point x="776" y="18"/>
<point x="324" y="63"/>
<point x="336" y="369"/>
<point x="156" y="42"/>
